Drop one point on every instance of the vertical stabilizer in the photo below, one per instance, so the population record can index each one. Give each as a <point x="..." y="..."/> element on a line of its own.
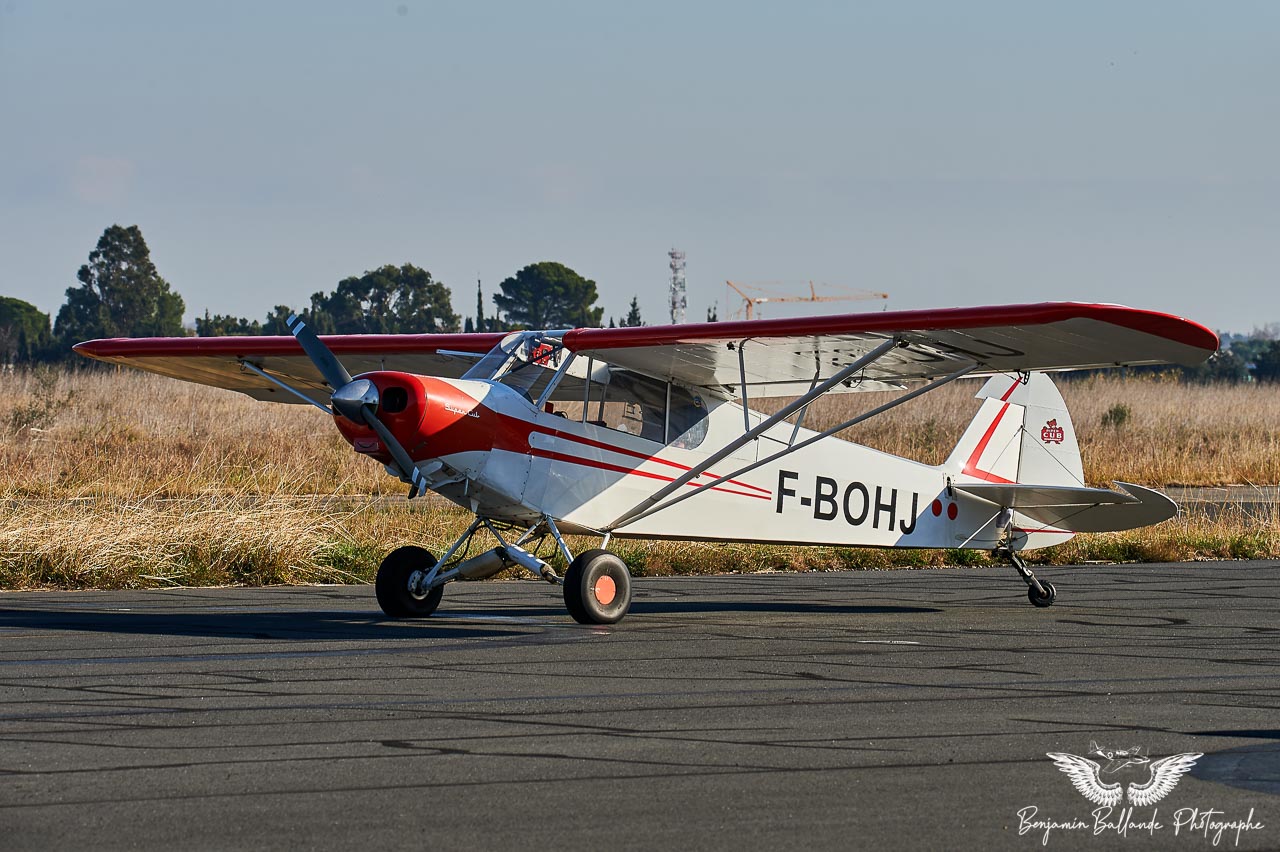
<point x="1022" y="433"/>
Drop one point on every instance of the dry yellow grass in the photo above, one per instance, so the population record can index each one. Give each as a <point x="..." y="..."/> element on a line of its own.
<point x="131" y="435"/>
<point x="125" y="479"/>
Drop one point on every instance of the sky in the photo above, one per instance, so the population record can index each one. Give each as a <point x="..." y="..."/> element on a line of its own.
<point x="946" y="153"/>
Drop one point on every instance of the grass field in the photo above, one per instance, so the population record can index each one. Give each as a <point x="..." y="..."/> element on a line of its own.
<point x="121" y="479"/>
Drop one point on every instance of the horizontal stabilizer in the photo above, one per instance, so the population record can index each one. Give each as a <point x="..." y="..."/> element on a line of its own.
<point x="1080" y="509"/>
<point x="1017" y="496"/>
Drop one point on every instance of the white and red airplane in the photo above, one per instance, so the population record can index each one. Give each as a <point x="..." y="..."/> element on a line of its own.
<point x="648" y="432"/>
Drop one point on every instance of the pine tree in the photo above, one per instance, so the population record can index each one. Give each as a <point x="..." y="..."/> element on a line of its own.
<point x="633" y="315"/>
<point x="548" y="295"/>
<point x="120" y="294"/>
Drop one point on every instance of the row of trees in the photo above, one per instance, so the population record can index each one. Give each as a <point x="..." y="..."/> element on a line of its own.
<point x="121" y="294"/>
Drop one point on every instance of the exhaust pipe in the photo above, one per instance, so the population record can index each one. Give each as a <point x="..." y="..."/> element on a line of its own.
<point x="529" y="562"/>
<point x="483" y="566"/>
<point x="493" y="561"/>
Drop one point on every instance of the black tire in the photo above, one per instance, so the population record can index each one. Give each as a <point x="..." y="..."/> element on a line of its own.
<point x="597" y="588"/>
<point x="1040" y="600"/>
<point x="392" y="583"/>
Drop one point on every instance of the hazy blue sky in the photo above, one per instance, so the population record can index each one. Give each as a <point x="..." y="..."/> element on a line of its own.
<point x="949" y="153"/>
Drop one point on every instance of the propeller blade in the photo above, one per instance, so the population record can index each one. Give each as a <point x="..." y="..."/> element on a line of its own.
<point x="326" y="362"/>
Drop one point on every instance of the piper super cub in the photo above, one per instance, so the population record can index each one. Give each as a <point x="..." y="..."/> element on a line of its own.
<point x="648" y="432"/>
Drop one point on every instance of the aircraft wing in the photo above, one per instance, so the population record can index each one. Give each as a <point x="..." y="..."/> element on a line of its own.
<point x="217" y="361"/>
<point x="782" y="356"/>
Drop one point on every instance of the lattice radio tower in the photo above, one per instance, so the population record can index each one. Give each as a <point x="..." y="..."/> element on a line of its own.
<point x="678" y="300"/>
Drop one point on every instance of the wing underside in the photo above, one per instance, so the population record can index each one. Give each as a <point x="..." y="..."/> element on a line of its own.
<point x="785" y="357"/>
<point x="775" y="357"/>
<point x="227" y="362"/>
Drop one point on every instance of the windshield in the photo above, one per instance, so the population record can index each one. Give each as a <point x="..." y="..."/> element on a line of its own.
<point x="524" y="360"/>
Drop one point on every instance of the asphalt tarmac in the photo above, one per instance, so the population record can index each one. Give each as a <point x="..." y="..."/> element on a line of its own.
<point x="879" y="710"/>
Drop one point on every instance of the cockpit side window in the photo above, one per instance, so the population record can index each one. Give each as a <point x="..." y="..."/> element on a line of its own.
<point x="638" y="405"/>
<point x="687" y="423"/>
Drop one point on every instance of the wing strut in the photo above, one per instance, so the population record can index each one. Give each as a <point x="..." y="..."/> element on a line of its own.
<point x="253" y="368"/>
<point x="800" y="420"/>
<point x="642" y="512"/>
<point x="650" y="503"/>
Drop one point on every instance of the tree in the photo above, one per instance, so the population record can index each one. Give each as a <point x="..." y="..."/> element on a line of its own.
<point x="711" y="314"/>
<point x="1266" y="364"/>
<point x="632" y="319"/>
<point x="1225" y="365"/>
<point x="24" y="331"/>
<point x="548" y="295"/>
<point x="222" y="326"/>
<point x="479" y="326"/>
<point x="387" y="300"/>
<point x="276" y="322"/>
<point x="120" y="294"/>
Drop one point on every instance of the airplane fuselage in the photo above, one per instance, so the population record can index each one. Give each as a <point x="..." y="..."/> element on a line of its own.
<point x="486" y="447"/>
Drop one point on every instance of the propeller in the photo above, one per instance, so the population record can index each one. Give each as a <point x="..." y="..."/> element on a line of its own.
<point x="354" y="399"/>
<point x="326" y="362"/>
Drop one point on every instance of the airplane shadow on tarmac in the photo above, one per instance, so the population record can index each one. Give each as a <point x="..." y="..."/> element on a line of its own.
<point x="289" y="625"/>
<point x="1253" y="767"/>
<point x="336" y="625"/>
<point x="793" y="607"/>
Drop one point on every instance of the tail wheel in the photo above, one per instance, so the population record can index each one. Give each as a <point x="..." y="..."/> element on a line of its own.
<point x="392" y="583"/>
<point x="597" y="588"/>
<point x="1042" y="600"/>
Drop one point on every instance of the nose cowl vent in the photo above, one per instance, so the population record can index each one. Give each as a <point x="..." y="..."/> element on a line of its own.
<point x="395" y="399"/>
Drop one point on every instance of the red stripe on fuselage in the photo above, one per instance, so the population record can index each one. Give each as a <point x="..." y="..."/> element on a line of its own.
<point x="561" y="457"/>
<point x="600" y="445"/>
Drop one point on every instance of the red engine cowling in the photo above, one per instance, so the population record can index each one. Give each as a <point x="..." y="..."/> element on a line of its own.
<point x="430" y="418"/>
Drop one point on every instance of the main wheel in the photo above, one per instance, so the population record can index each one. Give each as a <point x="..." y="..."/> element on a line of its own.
<point x="597" y="588"/>
<point x="1042" y="600"/>
<point x="392" y="583"/>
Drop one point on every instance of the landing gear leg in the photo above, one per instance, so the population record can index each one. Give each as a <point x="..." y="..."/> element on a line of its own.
<point x="1040" y="592"/>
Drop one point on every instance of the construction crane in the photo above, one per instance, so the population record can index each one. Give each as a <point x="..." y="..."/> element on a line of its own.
<point x="750" y="302"/>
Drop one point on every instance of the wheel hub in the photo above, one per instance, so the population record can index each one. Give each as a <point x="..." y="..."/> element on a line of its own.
<point x="415" y="585"/>
<point x="605" y="589"/>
